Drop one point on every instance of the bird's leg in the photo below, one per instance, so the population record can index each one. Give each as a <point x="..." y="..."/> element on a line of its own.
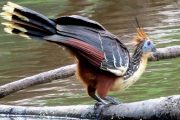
<point x="112" y="100"/>
<point x="100" y="102"/>
<point x="92" y="93"/>
<point x="104" y="84"/>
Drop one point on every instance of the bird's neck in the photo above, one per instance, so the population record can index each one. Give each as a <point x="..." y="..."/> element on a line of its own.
<point x="136" y="60"/>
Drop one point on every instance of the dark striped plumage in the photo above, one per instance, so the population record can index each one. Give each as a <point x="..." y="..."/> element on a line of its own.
<point x="135" y="61"/>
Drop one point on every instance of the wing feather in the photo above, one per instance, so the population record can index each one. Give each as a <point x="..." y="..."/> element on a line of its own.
<point x="92" y="41"/>
<point x="116" y="54"/>
<point x="79" y="21"/>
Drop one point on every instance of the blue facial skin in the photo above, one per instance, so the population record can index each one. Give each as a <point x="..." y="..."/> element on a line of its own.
<point x="148" y="46"/>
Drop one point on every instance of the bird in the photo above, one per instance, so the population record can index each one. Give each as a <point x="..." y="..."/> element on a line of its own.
<point x="104" y="63"/>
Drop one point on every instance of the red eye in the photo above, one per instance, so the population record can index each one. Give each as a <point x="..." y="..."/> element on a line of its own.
<point x="148" y="43"/>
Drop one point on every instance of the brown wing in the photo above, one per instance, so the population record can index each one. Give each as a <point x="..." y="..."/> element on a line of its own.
<point x="87" y="51"/>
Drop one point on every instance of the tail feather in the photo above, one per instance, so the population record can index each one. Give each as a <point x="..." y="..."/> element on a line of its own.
<point x="26" y="22"/>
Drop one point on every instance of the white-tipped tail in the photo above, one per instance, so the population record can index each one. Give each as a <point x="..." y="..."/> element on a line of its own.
<point x="15" y="26"/>
<point x="14" y="5"/>
<point x="26" y="22"/>
<point x="8" y="30"/>
<point x="8" y="9"/>
<point x="6" y="16"/>
<point x="24" y="35"/>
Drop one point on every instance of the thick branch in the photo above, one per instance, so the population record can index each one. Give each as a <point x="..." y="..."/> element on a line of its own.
<point x="165" y="108"/>
<point x="167" y="52"/>
<point x="63" y="72"/>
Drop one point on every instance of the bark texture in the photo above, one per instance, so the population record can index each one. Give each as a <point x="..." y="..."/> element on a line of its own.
<point x="164" y="108"/>
<point x="167" y="53"/>
<point x="64" y="72"/>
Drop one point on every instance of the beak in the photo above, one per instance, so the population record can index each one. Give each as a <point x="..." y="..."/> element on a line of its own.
<point x="154" y="54"/>
<point x="153" y="48"/>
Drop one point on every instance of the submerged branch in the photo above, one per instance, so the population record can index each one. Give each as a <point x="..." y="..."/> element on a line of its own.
<point x="64" y="72"/>
<point x="164" y="108"/>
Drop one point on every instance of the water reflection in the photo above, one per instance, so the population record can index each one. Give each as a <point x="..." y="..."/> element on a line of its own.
<point x="21" y="58"/>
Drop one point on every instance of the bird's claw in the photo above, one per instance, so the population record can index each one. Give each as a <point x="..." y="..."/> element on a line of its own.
<point x="112" y="101"/>
<point x="98" y="107"/>
<point x="100" y="104"/>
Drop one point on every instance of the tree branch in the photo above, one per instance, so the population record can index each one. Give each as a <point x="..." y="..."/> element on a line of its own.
<point x="63" y="72"/>
<point x="167" y="53"/>
<point x="41" y="78"/>
<point x="164" y="108"/>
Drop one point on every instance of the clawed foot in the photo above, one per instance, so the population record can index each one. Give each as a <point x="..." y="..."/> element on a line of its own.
<point x="112" y="100"/>
<point x="99" y="106"/>
<point x="108" y="101"/>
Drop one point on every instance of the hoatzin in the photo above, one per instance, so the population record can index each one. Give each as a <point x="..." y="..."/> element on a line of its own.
<point x="104" y="62"/>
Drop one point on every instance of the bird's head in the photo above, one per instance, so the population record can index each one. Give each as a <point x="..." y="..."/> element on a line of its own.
<point x="148" y="46"/>
<point x="143" y="39"/>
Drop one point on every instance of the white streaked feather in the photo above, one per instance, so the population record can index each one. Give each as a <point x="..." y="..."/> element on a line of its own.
<point x="8" y="9"/>
<point x="123" y="69"/>
<point x="21" y="16"/>
<point x="24" y="35"/>
<point x="8" y="30"/>
<point x="102" y="47"/>
<point x="115" y="71"/>
<point x="120" y="71"/>
<point x="13" y="5"/>
<point x="114" y="58"/>
<point x="120" y="59"/>
<point x="6" y="16"/>
<point x="12" y="25"/>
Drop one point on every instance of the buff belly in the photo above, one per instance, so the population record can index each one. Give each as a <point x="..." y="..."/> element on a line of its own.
<point x="120" y="84"/>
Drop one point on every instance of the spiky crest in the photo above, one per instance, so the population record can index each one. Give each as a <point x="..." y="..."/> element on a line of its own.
<point x="140" y="35"/>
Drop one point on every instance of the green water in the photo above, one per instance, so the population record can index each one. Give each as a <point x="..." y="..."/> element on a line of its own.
<point x="20" y="58"/>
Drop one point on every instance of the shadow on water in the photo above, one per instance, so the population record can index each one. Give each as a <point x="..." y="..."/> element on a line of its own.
<point x="20" y="58"/>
